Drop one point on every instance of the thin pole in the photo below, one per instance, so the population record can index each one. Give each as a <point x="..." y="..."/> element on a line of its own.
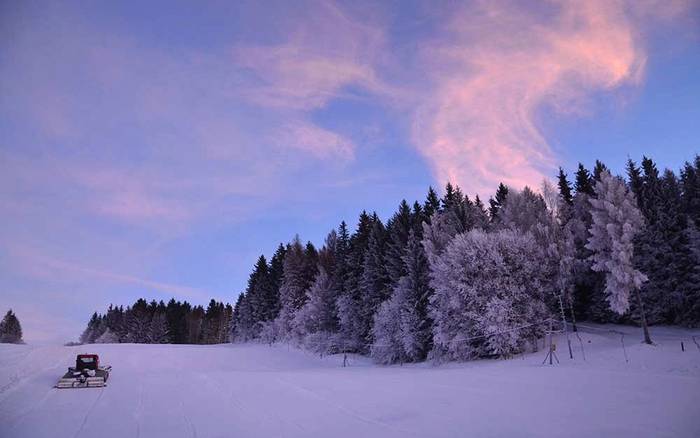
<point x="566" y="330"/>
<point x="550" y="341"/>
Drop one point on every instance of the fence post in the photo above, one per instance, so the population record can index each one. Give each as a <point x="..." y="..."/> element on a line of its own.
<point x="622" y="339"/>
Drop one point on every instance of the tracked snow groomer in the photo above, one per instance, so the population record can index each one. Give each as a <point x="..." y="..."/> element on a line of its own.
<point x="87" y="373"/>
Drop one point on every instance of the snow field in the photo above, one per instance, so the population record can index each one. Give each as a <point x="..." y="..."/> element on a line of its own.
<point x="255" y="390"/>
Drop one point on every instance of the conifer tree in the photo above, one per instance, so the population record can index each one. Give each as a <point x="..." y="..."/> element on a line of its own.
<point x="598" y="169"/>
<point x="195" y="320"/>
<point x="398" y="228"/>
<point x="616" y="221"/>
<point x="90" y="333"/>
<point x="431" y="204"/>
<point x="402" y="326"/>
<point x="316" y="322"/>
<point x="10" y="329"/>
<point x="481" y="217"/>
<point x="374" y="284"/>
<point x="261" y="295"/>
<point x="158" y="328"/>
<point x="583" y="181"/>
<point x="296" y="279"/>
<point x="497" y="202"/>
<point x="565" y="188"/>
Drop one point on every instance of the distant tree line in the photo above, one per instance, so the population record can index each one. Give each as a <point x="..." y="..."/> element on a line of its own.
<point x="10" y="329"/>
<point x="453" y="278"/>
<point x="159" y="323"/>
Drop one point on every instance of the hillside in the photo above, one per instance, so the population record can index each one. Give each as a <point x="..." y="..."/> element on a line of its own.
<point x="261" y="391"/>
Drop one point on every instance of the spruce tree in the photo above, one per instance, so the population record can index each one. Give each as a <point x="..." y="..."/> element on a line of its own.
<point x="565" y="187"/>
<point x="583" y="182"/>
<point x="296" y="279"/>
<point x="690" y="182"/>
<point x="10" y="329"/>
<point x="401" y="328"/>
<point x="481" y="217"/>
<point x="598" y="169"/>
<point x="374" y="284"/>
<point x="616" y="221"/>
<point x="260" y="294"/>
<point x="431" y="204"/>
<point x="497" y="202"/>
<point x="276" y="270"/>
<point x="195" y="321"/>
<point x="398" y="229"/>
<point x="159" y="328"/>
<point x="350" y="326"/>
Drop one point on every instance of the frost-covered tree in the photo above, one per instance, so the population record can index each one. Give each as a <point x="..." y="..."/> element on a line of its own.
<point x="91" y="331"/>
<point x="439" y="232"/>
<point x="351" y="266"/>
<point x="588" y="297"/>
<point x="108" y="337"/>
<point x="316" y="322"/>
<point x="486" y="285"/>
<point x="616" y="221"/>
<point x="10" y="329"/>
<point x="402" y="328"/>
<point x="296" y="279"/>
<point x="374" y="283"/>
<point x="524" y="211"/>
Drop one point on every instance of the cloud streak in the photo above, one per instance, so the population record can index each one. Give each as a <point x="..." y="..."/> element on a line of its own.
<point x="498" y="65"/>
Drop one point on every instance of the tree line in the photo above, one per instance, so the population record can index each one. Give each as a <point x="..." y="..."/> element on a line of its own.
<point x="159" y="323"/>
<point x="452" y="278"/>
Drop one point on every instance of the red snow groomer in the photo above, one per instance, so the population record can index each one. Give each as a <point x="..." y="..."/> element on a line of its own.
<point x="87" y="373"/>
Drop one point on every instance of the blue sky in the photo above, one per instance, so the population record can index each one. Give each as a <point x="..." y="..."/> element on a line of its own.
<point x="157" y="149"/>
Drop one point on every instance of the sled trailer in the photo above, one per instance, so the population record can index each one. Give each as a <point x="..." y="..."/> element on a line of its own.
<point x="87" y="373"/>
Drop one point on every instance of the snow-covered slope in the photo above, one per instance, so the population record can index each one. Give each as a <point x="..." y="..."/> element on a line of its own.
<point x="261" y="391"/>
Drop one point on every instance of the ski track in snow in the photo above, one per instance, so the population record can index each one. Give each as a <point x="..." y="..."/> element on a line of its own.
<point x="89" y="411"/>
<point x="188" y="420"/>
<point x="342" y="408"/>
<point x="139" y="408"/>
<point x="261" y="391"/>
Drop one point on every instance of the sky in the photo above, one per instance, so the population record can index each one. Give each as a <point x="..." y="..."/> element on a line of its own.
<point x="156" y="149"/>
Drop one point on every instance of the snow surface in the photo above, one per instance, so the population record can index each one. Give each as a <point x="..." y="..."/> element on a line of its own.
<point x="261" y="391"/>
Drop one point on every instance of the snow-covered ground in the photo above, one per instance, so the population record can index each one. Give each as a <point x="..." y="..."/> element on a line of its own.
<point x="261" y="391"/>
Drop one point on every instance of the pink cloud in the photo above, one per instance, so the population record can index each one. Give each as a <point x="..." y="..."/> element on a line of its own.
<point x="325" y="51"/>
<point x="323" y="54"/>
<point x="498" y="65"/>
<point x="315" y="140"/>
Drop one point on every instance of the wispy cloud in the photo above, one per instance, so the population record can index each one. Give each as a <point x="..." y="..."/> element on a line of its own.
<point x="38" y="264"/>
<point x="499" y="64"/>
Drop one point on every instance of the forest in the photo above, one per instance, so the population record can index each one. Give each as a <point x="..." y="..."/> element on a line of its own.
<point x="454" y="278"/>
